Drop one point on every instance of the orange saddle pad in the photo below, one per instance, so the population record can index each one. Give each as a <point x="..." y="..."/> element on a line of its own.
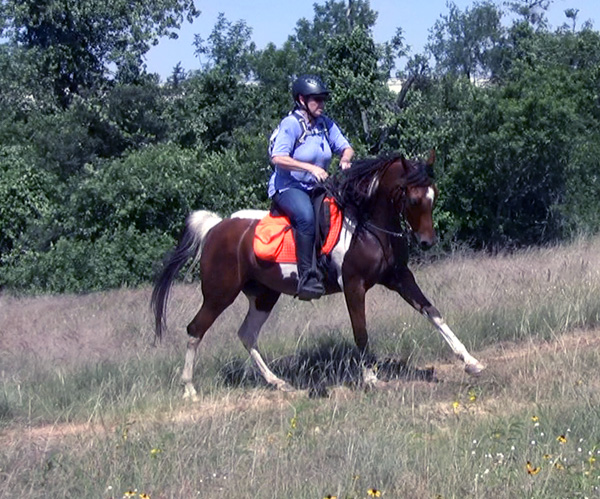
<point x="274" y="240"/>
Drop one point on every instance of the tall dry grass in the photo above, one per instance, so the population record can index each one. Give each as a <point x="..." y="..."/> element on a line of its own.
<point x="90" y="407"/>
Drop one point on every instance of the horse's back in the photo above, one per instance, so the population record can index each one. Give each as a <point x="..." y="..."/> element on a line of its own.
<point x="250" y="213"/>
<point x="229" y="244"/>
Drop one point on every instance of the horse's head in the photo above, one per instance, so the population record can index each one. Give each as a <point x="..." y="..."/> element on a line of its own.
<point x="390" y="194"/>
<point x="409" y="185"/>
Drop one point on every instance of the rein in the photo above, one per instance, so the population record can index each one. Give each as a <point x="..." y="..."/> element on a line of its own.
<point x="398" y="199"/>
<point x="385" y="231"/>
<point x="404" y="227"/>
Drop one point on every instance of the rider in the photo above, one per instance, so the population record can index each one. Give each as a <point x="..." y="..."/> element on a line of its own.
<point x="301" y="154"/>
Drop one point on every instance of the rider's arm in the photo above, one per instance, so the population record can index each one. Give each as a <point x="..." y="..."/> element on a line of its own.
<point x="345" y="160"/>
<point x="289" y="163"/>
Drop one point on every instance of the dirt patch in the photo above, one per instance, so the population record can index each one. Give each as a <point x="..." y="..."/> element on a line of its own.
<point x="499" y="359"/>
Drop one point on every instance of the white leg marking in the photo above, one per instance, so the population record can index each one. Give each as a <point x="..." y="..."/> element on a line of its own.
<point x="472" y="365"/>
<point x="248" y="333"/>
<point x="188" y="369"/>
<point x="270" y="376"/>
<point x="369" y="376"/>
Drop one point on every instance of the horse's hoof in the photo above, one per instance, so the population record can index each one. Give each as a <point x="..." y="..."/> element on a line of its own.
<point x="318" y="391"/>
<point x="474" y="369"/>
<point x="369" y="378"/>
<point x="285" y="387"/>
<point x="190" y="393"/>
<point x="375" y="384"/>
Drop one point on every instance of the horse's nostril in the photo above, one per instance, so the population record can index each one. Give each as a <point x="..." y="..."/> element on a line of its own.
<point x="425" y="245"/>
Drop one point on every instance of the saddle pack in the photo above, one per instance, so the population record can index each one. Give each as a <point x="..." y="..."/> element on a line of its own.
<point x="274" y="239"/>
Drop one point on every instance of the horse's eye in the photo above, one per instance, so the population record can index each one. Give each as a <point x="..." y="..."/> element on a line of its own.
<point x="413" y="201"/>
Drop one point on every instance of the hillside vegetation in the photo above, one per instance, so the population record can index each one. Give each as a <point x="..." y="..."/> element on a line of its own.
<point x="100" y="161"/>
<point x="90" y="407"/>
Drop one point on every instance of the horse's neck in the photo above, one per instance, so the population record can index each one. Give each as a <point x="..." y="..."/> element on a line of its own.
<point x="383" y="214"/>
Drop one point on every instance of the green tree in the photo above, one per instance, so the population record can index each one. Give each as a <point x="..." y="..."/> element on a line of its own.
<point x="532" y="12"/>
<point x="466" y="43"/>
<point x="358" y="84"/>
<point x="77" y="40"/>
<point x="28" y="198"/>
<point x="333" y="18"/>
<point x="229" y="47"/>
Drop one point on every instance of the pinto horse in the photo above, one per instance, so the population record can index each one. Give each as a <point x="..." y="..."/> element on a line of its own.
<point x="384" y="200"/>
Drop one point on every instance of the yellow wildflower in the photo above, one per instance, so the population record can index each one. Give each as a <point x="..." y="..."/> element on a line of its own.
<point x="562" y="439"/>
<point x="374" y="493"/>
<point x="532" y="470"/>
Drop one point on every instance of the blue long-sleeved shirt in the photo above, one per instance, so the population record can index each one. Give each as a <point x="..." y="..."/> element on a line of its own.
<point x="315" y="149"/>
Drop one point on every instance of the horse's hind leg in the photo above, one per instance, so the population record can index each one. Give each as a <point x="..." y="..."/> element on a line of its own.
<point x="261" y="301"/>
<point x="210" y="310"/>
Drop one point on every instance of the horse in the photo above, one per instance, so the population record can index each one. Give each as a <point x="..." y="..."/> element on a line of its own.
<point x="384" y="200"/>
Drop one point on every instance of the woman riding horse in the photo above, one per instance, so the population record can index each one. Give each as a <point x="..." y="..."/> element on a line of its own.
<point x="301" y="153"/>
<point x="384" y="200"/>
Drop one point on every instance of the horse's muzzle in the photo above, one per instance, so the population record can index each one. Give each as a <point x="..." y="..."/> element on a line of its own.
<point x="425" y="243"/>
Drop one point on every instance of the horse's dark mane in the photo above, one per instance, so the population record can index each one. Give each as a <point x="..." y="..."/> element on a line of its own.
<point x="353" y="188"/>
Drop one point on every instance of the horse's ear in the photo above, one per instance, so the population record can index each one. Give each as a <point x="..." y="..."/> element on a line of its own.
<point x="431" y="159"/>
<point x="429" y="165"/>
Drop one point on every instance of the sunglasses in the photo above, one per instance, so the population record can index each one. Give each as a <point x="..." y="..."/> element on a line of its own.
<point x="319" y="98"/>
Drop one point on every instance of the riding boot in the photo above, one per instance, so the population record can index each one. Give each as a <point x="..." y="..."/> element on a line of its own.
<point x="310" y="279"/>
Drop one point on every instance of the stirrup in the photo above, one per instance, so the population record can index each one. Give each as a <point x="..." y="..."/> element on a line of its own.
<point x="310" y="288"/>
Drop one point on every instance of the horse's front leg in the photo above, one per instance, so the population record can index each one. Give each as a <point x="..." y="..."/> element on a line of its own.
<point x="354" y="292"/>
<point x="405" y="284"/>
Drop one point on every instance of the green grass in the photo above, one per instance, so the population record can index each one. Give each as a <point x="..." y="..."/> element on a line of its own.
<point x="89" y="408"/>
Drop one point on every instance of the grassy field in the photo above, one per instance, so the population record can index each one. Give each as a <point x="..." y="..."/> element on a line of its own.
<point x="90" y="407"/>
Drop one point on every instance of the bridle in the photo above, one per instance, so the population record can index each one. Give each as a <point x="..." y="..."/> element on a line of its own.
<point x="405" y="227"/>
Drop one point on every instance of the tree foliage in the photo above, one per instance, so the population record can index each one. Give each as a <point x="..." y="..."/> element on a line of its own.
<point x="100" y="161"/>
<point x="76" y="40"/>
<point x="467" y="43"/>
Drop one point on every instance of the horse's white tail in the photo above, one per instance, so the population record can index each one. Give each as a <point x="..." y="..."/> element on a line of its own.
<point x="197" y="227"/>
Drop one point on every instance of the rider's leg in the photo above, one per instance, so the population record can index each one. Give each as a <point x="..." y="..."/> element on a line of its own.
<point x="297" y="205"/>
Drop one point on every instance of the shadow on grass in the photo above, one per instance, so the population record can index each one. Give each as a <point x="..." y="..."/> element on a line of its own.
<point x="328" y="363"/>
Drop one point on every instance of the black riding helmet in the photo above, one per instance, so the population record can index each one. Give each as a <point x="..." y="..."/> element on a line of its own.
<point x="307" y="85"/>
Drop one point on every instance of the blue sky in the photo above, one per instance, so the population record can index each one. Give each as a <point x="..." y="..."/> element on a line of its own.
<point x="274" y="20"/>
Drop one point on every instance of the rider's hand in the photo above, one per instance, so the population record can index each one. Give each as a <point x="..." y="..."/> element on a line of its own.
<point x="345" y="164"/>
<point x="320" y="174"/>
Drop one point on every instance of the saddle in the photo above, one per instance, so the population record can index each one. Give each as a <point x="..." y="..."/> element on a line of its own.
<point x="274" y="239"/>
